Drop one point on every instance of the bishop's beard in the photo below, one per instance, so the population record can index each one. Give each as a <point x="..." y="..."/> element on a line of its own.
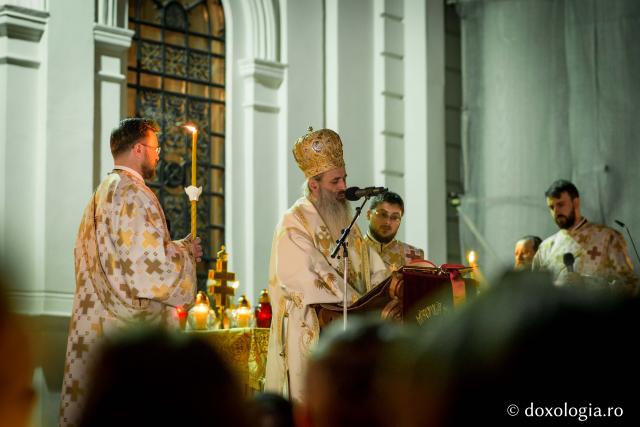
<point x="335" y="213"/>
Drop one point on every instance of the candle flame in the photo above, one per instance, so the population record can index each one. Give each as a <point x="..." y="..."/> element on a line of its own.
<point x="471" y="257"/>
<point x="191" y="128"/>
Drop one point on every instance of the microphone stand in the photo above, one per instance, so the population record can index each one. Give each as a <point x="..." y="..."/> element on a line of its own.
<point x="622" y="224"/>
<point x="342" y="243"/>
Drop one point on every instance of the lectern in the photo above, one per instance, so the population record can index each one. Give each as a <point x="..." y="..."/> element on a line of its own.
<point x="411" y="295"/>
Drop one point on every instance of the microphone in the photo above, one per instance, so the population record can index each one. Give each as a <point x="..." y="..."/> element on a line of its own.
<point x="568" y="259"/>
<point x="355" y="193"/>
<point x="622" y="224"/>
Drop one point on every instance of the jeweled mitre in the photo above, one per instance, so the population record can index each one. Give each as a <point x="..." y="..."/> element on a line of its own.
<point x="318" y="151"/>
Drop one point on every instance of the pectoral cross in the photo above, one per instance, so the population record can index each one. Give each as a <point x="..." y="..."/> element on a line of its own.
<point x="220" y="279"/>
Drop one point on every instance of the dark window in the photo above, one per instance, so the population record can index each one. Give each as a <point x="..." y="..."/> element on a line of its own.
<point x="176" y="75"/>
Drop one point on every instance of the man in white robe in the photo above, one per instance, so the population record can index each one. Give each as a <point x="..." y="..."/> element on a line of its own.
<point x="593" y="251"/>
<point x="127" y="268"/>
<point x="302" y="273"/>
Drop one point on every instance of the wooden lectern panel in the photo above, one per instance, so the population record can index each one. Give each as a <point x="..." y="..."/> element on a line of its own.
<point x="412" y="295"/>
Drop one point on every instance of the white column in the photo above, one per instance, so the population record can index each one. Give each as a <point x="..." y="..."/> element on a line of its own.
<point x="388" y="101"/>
<point x="112" y="42"/>
<point x="263" y="167"/>
<point x="349" y="83"/>
<point x="424" y="127"/>
<point x="111" y="45"/>
<point x="256" y="182"/>
<point x="22" y="148"/>
<point x="303" y="89"/>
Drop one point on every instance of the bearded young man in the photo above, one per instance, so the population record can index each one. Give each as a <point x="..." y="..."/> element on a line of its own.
<point x="385" y="216"/>
<point x="301" y="272"/>
<point x="598" y="251"/>
<point x="127" y="268"/>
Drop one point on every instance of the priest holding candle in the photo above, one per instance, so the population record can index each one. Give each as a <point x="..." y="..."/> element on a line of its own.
<point x="128" y="270"/>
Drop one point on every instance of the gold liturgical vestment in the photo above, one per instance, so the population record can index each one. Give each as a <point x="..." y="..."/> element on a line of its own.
<point x="599" y="251"/>
<point x="395" y="254"/>
<point x="302" y="273"/>
<point x="127" y="270"/>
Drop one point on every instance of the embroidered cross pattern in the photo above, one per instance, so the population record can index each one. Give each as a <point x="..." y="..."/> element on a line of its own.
<point x="86" y="304"/>
<point x="412" y="254"/>
<point x="75" y="390"/>
<point x="594" y="253"/>
<point x="125" y="265"/>
<point x="79" y="347"/>
<point x="153" y="266"/>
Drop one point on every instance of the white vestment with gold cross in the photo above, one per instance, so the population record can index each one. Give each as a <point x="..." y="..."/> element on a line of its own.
<point x="395" y="253"/>
<point x="599" y="252"/>
<point x="301" y="274"/>
<point x="127" y="271"/>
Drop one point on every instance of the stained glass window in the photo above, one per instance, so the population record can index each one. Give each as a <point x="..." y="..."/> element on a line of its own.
<point x="176" y="75"/>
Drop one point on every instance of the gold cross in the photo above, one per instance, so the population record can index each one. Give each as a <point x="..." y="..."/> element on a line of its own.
<point x="86" y="304"/>
<point x="79" y="347"/>
<point x="125" y="265"/>
<point x="153" y="266"/>
<point x="221" y="290"/>
<point x="75" y="390"/>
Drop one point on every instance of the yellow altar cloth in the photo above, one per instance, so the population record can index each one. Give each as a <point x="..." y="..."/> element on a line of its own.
<point x="245" y="350"/>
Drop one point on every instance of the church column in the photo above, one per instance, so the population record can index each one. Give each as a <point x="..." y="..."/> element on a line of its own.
<point x="112" y="41"/>
<point x="256" y="185"/>
<point x="262" y="79"/>
<point x="349" y="56"/>
<point x="22" y="148"/>
<point x="424" y="127"/>
<point x="388" y="105"/>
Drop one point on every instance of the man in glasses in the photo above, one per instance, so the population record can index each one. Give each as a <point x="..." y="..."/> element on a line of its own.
<point x="385" y="215"/>
<point x="128" y="270"/>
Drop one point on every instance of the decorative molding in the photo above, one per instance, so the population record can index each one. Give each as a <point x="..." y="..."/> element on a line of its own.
<point x="392" y="133"/>
<point x="111" y="77"/>
<point x="262" y="107"/>
<point x="22" y="23"/>
<point x="112" y="39"/>
<point x="390" y="172"/>
<point x="19" y="61"/>
<point x="41" y="303"/>
<point x="391" y="94"/>
<point x="392" y="55"/>
<point x="267" y="73"/>
<point x="112" y="12"/>
<point x="264" y="22"/>
<point x="391" y="16"/>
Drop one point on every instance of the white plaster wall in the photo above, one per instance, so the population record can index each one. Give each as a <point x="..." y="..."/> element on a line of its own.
<point x="69" y="136"/>
<point x="349" y="108"/>
<point x="303" y="89"/>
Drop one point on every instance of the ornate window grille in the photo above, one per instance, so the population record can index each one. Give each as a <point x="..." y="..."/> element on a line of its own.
<point x="176" y="76"/>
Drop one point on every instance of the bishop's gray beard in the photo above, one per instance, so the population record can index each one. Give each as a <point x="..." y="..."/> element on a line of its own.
<point x="335" y="213"/>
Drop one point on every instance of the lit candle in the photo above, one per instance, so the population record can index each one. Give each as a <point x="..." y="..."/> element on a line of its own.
<point x="194" y="138"/>
<point x="243" y="315"/>
<point x="243" y="312"/>
<point x="472" y="263"/>
<point x="200" y="316"/>
<point x="182" y="316"/>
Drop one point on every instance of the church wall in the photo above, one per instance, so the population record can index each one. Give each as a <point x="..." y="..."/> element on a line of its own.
<point x="425" y="178"/>
<point x="303" y="41"/>
<point x="69" y="136"/>
<point x="349" y="56"/>
<point x="290" y="64"/>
